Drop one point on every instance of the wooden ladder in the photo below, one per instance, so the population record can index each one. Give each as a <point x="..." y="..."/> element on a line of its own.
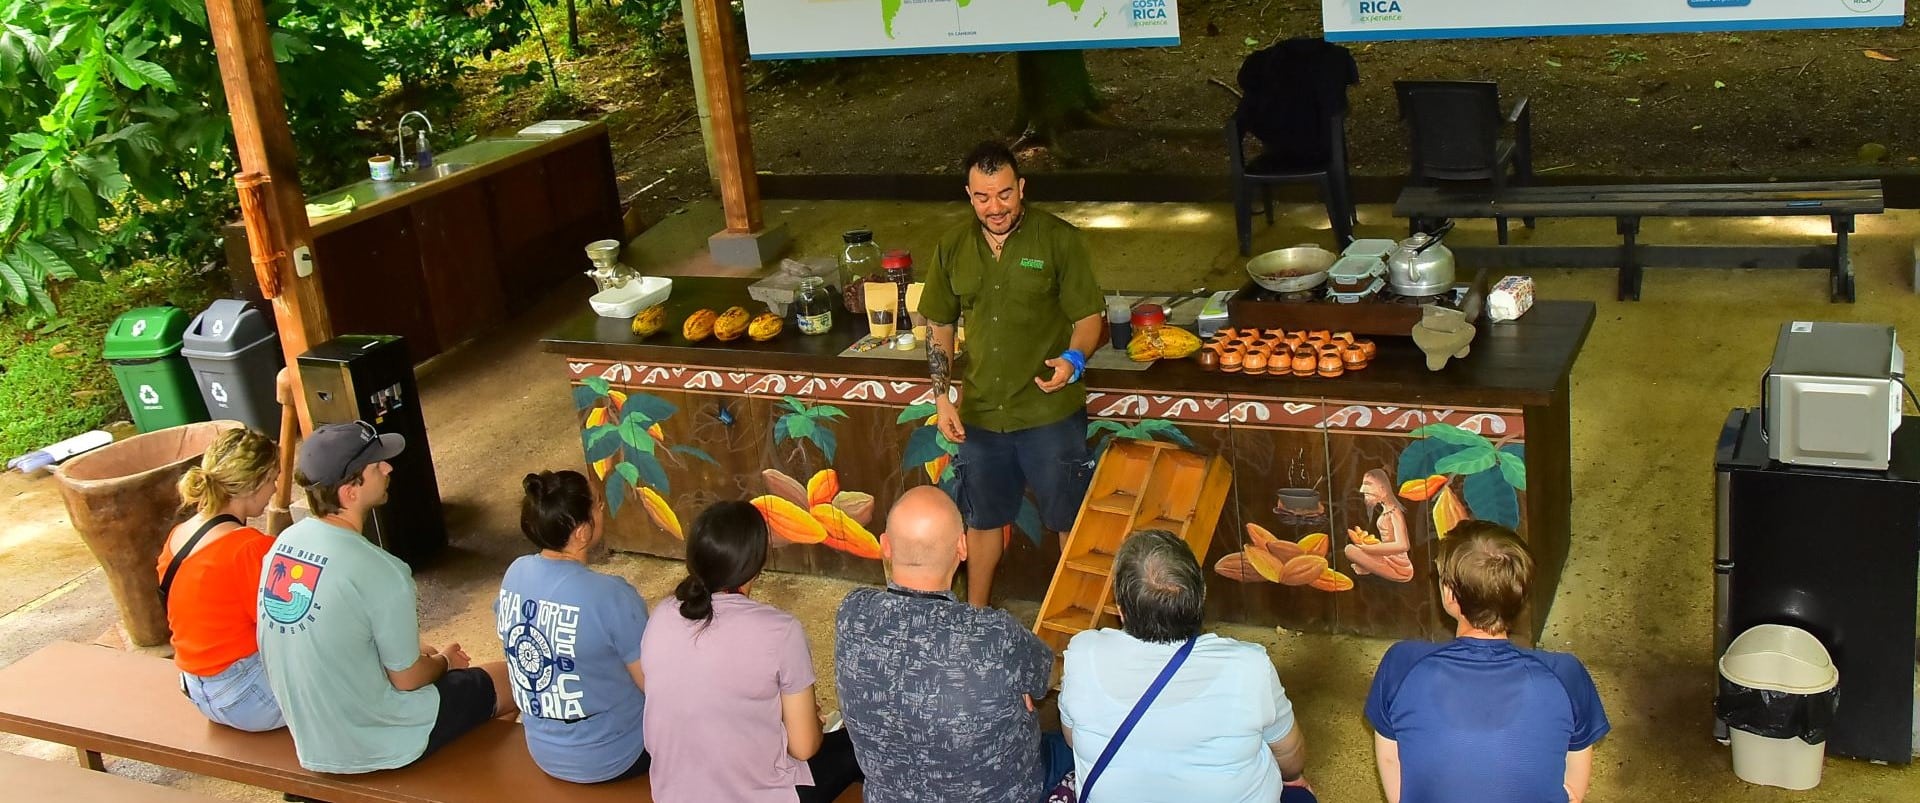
<point x="1138" y="485"/>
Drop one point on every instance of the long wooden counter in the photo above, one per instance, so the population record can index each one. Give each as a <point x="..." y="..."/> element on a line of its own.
<point x="678" y="425"/>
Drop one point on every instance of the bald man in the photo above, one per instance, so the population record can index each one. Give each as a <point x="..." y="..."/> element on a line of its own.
<point x="937" y="694"/>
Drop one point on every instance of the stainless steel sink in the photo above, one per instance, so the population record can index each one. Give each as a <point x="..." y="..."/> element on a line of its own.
<point x="426" y="174"/>
<point x="487" y="150"/>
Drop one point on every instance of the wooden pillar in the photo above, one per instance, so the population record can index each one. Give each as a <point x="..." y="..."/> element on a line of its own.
<point x="265" y="145"/>
<point x="727" y="105"/>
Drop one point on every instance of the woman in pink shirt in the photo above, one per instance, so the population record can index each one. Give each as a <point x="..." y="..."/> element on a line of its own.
<point x="730" y="711"/>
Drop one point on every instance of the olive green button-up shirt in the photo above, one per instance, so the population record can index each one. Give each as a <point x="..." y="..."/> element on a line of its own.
<point x="1020" y="310"/>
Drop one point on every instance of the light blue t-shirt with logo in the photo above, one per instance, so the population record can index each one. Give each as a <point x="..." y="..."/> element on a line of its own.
<point x="569" y="633"/>
<point x="336" y="613"/>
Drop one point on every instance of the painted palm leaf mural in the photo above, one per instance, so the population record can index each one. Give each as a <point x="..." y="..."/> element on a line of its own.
<point x="1463" y="475"/>
<point x="625" y="444"/>
<point x="808" y="423"/>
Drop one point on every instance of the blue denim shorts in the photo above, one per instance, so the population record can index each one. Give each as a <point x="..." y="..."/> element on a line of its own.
<point x="994" y="470"/>
<point x="238" y="697"/>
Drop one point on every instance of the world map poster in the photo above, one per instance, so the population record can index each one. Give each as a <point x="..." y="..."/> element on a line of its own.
<point x="808" y="29"/>
<point x="1375" y="20"/>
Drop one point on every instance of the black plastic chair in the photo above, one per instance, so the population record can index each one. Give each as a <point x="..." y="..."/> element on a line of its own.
<point x="1458" y="133"/>
<point x="1264" y="171"/>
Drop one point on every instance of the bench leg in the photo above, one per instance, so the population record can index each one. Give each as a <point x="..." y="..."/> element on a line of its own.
<point x="1501" y="224"/>
<point x="89" y="759"/>
<point x="1629" y="280"/>
<point x="1841" y="284"/>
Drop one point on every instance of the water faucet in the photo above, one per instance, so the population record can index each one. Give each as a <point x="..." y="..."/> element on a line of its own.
<point x="400" y="138"/>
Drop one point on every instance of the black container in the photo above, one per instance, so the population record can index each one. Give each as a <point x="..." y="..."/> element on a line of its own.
<point x="370" y="378"/>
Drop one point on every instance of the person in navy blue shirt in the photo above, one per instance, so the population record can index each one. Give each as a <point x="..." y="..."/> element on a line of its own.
<point x="1478" y="718"/>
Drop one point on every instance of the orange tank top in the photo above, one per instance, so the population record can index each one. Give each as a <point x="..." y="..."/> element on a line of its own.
<point x="211" y="606"/>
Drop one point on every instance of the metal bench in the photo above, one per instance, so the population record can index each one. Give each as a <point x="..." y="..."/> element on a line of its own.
<point x="1839" y="201"/>
<point x="104" y="701"/>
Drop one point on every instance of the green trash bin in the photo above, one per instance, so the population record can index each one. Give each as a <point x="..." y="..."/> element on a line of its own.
<point x="143" y="349"/>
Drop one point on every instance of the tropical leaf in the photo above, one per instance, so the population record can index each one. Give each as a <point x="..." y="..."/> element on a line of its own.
<point x="652" y="474"/>
<point x="1449" y="433"/>
<point x="153" y="73"/>
<point x="1472" y="460"/>
<point x="923" y="446"/>
<point x="616" y="490"/>
<point x="1162" y="427"/>
<point x="916" y="413"/>
<point x="799" y="426"/>
<point x="694" y="452"/>
<point x="124" y="72"/>
<point x="1028" y="522"/>
<point x="15" y="279"/>
<point x="1106" y="426"/>
<point x="1417" y="459"/>
<point x="825" y="411"/>
<point x="653" y="408"/>
<point x="629" y="472"/>
<point x="599" y="384"/>
<point x="601" y="442"/>
<point x="1490" y="498"/>
<point x="823" y="438"/>
<point x="633" y="433"/>
<point x="584" y="397"/>
<point x="1514" y="470"/>
<point x="73" y="252"/>
<point x="794" y="404"/>
<point x="781" y="429"/>
<point x="50" y="264"/>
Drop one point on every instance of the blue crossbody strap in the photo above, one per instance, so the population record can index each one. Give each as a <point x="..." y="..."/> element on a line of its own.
<point x="1133" y="717"/>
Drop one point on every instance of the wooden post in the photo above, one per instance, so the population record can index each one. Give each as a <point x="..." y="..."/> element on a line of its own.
<point x="727" y="104"/>
<point x="265" y="145"/>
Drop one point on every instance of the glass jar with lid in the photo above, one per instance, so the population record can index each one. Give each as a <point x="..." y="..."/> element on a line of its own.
<point x="813" y="306"/>
<point x="859" y="263"/>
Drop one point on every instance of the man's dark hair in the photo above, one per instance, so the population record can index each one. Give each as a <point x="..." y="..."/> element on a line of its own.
<point x="1159" y="587"/>
<point x="989" y="158"/>
<point x="324" y="499"/>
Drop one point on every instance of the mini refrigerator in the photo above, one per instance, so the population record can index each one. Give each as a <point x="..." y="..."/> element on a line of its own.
<point x="370" y="378"/>
<point x="1835" y="552"/>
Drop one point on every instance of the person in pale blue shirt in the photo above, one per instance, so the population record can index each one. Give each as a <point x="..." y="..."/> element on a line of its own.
<point x="1220" y="730"/>
<point x="339" y="632"/>
<point x="572" y="639"/>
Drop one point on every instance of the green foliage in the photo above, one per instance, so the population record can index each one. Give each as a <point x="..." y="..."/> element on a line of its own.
<point x="1621" y="57"/>
<point x="626" y="436"/>
<point x="1488" y="475"/>
<point x="810" y="423"/>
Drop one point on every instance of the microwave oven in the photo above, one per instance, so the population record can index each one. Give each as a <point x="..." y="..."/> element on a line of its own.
<point x="1832" y="396"/>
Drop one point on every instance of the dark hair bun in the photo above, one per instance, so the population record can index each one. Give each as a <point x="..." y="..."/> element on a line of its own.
<point x="533" y="485"/>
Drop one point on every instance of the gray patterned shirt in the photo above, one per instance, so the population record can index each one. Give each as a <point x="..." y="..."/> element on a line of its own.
<point x="930" y="688"/>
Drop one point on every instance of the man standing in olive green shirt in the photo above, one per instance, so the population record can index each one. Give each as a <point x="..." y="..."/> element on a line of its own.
<point x="1033" y="313"/>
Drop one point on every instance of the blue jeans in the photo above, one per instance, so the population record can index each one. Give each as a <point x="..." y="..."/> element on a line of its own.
<point x="237" y="697"/>
<point x="995" y="469"/>
<point x="1056" y="756"/>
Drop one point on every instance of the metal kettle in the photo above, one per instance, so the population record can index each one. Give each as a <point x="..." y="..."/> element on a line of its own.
<point x="1420" y="265"/>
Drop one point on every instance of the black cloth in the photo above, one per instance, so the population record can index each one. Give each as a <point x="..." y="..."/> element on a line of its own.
<point x="834" y="769"/>
<point x="1290" y="91"/>
<point x="466" y="701"/>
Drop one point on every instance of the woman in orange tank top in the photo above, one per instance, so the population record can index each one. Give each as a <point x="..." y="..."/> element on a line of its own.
<point x="212" y="598"/>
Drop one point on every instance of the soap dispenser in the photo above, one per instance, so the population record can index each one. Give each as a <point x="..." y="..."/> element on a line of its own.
<point x="423" y="153"/>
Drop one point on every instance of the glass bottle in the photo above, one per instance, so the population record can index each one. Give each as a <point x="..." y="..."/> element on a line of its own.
<point x="859" y="262"/>
<point x="814" y="307"/>
<point x="899" y="270"/>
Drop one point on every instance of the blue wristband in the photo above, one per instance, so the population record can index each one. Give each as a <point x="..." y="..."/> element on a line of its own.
<point x="1079" y="363"/>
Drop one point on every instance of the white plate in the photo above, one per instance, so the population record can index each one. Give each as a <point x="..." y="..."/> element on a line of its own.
<point x="629" y="299"/>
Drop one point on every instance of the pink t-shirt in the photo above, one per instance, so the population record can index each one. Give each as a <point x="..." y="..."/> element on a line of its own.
<point x="713" y="702"/>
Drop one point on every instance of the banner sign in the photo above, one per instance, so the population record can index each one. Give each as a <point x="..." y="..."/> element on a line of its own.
<point x="811" y="29"/>
<point x="1375" y="20"/>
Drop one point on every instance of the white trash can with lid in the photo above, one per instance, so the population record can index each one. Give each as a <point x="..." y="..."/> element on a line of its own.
<point x="1787" y="660"/>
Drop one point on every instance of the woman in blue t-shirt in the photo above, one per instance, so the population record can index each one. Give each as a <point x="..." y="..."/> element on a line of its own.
<point x="572" y="638"/>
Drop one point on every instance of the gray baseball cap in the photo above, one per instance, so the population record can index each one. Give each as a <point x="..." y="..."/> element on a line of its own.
<point x="337" y="452"/>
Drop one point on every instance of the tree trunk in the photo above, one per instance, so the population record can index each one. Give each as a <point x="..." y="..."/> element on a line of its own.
<point x="573" y="29"/>
<point x="1056" y="96"/>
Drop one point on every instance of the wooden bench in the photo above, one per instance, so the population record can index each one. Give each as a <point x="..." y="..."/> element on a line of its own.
<point x="33" y="779"/>
<point x="102" y="701"/>
<point x="1840" y="201"/>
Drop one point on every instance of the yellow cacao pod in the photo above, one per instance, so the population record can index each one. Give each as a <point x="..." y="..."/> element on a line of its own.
<point x="789" y="521"/>
<point x="699" y="326"/>
<point x="661" y="514"/>
<point x="1164" y="343"/>
<point x="650" y="320"/>
<point x="824" y="486"/>
<point x="731" y="324"/>
<point x="845" y="534"/>
<point x="765" y="326"/>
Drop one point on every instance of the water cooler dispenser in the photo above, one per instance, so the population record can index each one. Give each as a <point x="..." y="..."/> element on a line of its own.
<point x="370" y="378"/>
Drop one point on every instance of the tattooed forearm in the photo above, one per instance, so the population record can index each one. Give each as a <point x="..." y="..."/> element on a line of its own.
<point x="940" y="357"/>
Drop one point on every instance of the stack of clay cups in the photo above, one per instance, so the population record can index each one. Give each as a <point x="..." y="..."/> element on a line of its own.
<point x="1275" y="352"/>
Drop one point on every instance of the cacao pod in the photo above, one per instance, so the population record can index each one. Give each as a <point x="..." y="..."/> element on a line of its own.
<point x="858" y="506"/>
<point x="650" y="320"/>
<point x="1283" y="550"/>
<point x="824" y="486"/>
<point x="1331" y="580"/>
<point x="1259" y="535"/>
<point x="731" y="324"/>
<point x="1166" y="342"/>
<point x="1265" y="564"/>
<point x="783" y="486"/>
<point x="1315" y="544"/>
<point x="789" y="521"/>
<point x="1447" y="512"/>
<point x="1234" y="567"/>
<point x="698" y="326"/>
<point x="1421" y="490"/>
<point x="845" y="534"/>
<point x="764" y="326"/>
<point x="661" y="514"/>
<point x="1303" y="570"/>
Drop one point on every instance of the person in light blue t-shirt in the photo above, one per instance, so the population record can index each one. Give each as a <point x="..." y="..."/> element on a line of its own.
<point x="572" y="639"/>
<point x="1478" y="718"/>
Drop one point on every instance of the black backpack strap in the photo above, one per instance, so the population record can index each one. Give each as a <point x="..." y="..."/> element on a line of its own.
<point x="179" y="557"/>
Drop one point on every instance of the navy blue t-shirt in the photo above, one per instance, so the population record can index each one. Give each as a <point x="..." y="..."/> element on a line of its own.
<point x="1483" y="720"/>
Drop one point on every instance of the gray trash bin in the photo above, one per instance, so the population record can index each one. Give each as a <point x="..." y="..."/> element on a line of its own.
<point x="235" y="355"/>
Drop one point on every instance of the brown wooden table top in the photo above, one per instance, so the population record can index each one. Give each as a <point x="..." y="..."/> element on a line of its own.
<point x="1512" y="364"/>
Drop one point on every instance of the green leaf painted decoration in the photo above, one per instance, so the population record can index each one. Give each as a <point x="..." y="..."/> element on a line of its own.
<point x="653" y="408"/>
<point x="628" y="471"/>
<point x="694" y="452"/>
<point x="633" y="432"/>
<point x="795" y="404"/>
<point x="825" y="411"/>
<point x="1490" y="498"/>
<point x="923" y="447"/>
<point x="601" y="442"/>
<point x="915" y="413"/>
<point x="1514" y="470"/>
<point x="584" y="397"/>
<point x="599" y="385"/>
<point x="1448" y="433"/>
<point x="800" y="426"/>
<point x="1470" y="461"/>
<point x="1162" y="427"/>
<point x="616" y="490"/>
<point x="823" y="438"/>
<point x="651" y="473"/>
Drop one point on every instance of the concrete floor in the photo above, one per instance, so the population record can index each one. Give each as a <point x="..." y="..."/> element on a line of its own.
<point x="1650" y="391"/>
